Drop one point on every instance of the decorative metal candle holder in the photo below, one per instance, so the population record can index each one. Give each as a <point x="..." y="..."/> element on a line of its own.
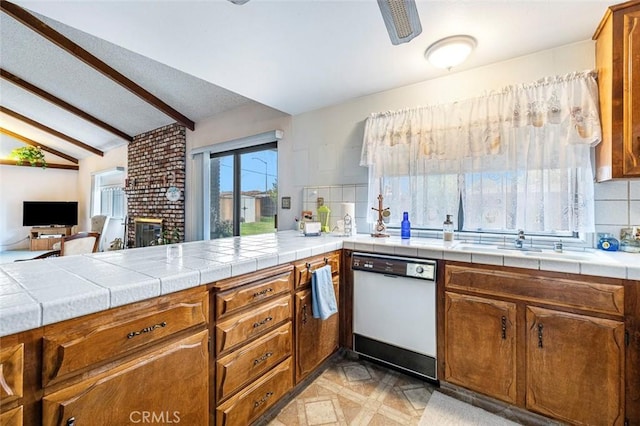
<point x="383" y="213"/>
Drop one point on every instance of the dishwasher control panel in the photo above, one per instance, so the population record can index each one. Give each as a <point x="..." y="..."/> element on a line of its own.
<point x="395" y="265"/>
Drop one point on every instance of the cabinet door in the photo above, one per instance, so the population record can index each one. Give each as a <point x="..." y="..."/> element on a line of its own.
<point x="631" y="42"/>
<point x="316" y="339"/>
<point x="480" y="345"/>
<point x="167" y="385"/>
<point x="575" y="367"/>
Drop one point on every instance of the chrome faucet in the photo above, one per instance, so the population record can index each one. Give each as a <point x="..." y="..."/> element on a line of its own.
<point x="520" y="240"/>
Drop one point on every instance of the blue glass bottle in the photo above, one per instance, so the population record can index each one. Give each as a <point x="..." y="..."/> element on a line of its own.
<point x="405" y="226"/>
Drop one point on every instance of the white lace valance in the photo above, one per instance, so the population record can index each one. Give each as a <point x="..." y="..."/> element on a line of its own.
<point x="550" y="122"/>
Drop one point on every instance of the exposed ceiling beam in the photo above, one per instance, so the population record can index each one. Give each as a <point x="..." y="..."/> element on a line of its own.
<point x="74" y="49"/>
<point x="49" y="165"/>
<point x="62" y="104"/>
<point x="54" y="132"/>
<point x="34" y="143"/>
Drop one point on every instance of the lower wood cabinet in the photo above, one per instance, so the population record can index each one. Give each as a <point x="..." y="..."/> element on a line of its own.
<point x="168" y="385"/>
<point x="575" y="366"/>
<point x="13" y="417"/>
<point x="253" y="344"/>
<point x="251" y="402"/>
<point x="244" y="365"/>
<point x="489" y="326"/>
<point x="316" y="339"/>
<point x="560" y="354"/>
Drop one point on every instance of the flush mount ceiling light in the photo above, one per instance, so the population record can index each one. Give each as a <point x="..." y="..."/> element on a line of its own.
<point x="401" y="19"/>
<point x="450" y="51"/>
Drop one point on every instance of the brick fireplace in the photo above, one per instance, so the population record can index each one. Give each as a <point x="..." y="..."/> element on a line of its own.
<point x="156" y="176"/>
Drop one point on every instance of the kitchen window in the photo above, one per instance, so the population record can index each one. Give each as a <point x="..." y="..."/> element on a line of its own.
<point x="244" y="191"/>
<point x="515" y="159"/>
<point x="237" y="183"/>
<point x="108" y="197"/>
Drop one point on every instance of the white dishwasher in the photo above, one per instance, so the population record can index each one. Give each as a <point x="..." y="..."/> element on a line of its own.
<point x="394" y="311"/>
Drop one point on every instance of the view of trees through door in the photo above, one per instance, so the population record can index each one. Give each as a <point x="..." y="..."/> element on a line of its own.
<point x="244" y="191"/>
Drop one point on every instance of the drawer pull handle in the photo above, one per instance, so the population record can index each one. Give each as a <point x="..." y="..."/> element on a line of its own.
<point x="304" y="313"/>
<point x="540" y="327"/>
<point x="504" y="328"/>
<point x="308" y="265"/>
<point x="326" y="260"/>
<point x="3" y="383"/>
<point x="262" y="400"/>
<point x="71" y="421"/>
<point x="262" y="358"/>
<point x="263" y="322"/>
<point x="146" y="330"/>
<point x="262" y="292"/>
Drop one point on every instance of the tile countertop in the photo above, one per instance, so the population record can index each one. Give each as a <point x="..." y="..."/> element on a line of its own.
<point x="41" y="292"/>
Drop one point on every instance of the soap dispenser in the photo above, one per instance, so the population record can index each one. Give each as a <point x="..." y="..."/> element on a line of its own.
<point x="447" y="229"/>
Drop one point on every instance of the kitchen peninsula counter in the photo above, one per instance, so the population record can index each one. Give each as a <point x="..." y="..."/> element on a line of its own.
<point x="41" y="292"/>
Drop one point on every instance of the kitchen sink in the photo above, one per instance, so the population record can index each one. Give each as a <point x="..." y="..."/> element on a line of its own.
<point x="552" y="255"/>
<point x="476" y="247"/>
<point x="493" y="248"/>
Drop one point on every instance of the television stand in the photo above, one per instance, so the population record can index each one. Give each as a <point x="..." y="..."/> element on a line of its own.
<point x="44" y="237"/>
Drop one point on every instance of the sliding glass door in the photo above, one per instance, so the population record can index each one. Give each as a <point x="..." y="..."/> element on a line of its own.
<point x="244" y="191"/>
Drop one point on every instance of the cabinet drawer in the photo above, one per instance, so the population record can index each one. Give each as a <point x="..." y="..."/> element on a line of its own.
<point x="72" y="346"/>
<point x="250" y="362"/>
<point x="249" y="404"/>
<point x="593" y="294"/>
<point x="231" y="301"/>
<point x="170" y="382"/>
<point x="11" y="373"/>
<point x="304" y="269"/>
<point x="244" y="327"/>
<point x="12" y="417"/>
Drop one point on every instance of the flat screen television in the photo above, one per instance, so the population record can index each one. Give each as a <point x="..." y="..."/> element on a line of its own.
<point x="48" y="213"/>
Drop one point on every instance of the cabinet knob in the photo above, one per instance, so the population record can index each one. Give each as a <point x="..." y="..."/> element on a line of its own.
<point x="71" y="421"/>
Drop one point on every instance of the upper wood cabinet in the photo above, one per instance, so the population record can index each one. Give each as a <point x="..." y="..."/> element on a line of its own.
<point x="618" y="64"/>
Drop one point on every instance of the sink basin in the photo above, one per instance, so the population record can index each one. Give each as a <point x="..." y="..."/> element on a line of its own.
<point x="493" y="248"/>
<point x="476" y="247"/>
<point x="563" y="256"/>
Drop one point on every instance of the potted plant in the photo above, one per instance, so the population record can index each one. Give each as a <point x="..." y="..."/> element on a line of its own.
<point x="31" y="154"/>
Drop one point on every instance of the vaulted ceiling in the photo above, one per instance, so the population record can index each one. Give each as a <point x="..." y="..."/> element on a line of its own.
<point x="201" y="58"/>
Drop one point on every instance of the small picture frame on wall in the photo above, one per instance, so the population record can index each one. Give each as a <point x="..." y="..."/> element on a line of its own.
<point x="286" y="202"/>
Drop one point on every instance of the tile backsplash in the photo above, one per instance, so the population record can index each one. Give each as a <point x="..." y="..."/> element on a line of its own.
<point x="333" y="197"/>
<point x="617" y="206"/>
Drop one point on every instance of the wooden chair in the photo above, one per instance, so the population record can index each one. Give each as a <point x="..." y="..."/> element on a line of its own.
<point x="80" y="243"/>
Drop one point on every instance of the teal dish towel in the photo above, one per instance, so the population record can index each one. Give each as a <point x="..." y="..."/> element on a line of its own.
<point x="323" y="298"/>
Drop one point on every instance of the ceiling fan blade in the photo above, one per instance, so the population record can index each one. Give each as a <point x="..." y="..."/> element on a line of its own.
<point x="401" y="18"/>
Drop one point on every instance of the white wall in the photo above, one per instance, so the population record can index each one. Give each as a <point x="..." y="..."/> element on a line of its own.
<point x="18" y="184"/>
<point x="25" y="183"/>
<point x="248" y="120"/>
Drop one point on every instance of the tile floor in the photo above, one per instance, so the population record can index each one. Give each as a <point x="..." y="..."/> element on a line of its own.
<point x="357" y="392"/>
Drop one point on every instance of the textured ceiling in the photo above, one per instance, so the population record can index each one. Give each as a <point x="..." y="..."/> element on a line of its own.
<point x="203" y="57"/>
